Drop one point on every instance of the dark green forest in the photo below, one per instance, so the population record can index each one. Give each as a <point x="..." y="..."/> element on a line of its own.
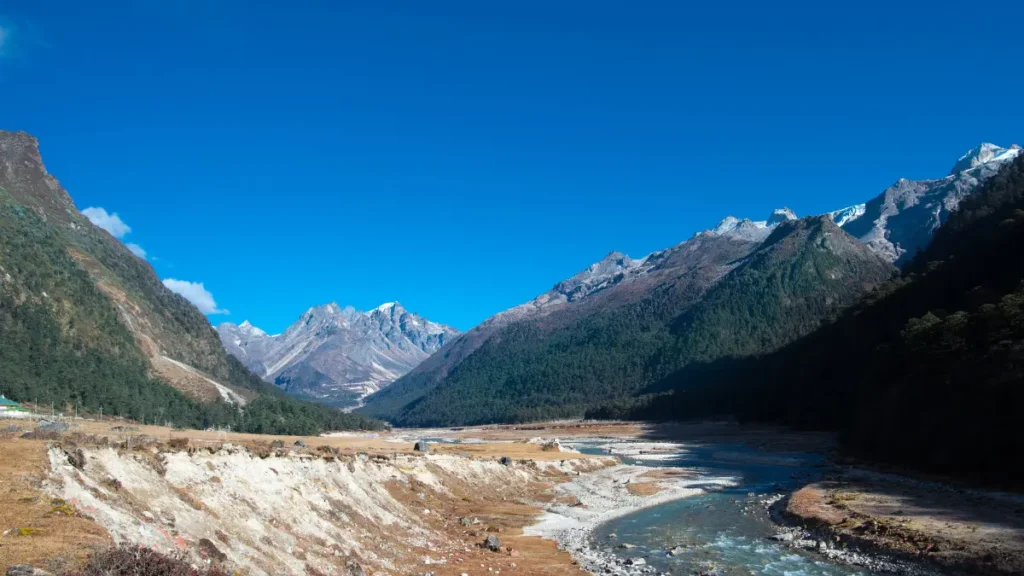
<point x="64" y="343"/>
<point x="924" y="371"/>
<point x="806" y="270"/>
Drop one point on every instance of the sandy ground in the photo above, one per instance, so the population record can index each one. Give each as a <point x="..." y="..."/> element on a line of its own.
<point x="972" y="531"/>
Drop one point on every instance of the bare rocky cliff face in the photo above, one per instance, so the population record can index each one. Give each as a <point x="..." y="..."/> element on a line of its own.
<point x="901" y="220"/>
<point x="338" y="355"/>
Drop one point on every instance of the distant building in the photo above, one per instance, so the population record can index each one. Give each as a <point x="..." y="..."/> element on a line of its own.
<point x="9" y="405"/>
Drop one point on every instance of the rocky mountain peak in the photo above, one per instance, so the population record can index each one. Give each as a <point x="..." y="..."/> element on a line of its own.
<point x="781" y="215"/>
<point x="983" y="154"/>
<point x="23" y="175"/>
<point x="338" y="354"/>
<point x="749" y="230"/>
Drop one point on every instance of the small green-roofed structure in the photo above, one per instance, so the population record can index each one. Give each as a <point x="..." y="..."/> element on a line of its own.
<point x="9" y="405"/>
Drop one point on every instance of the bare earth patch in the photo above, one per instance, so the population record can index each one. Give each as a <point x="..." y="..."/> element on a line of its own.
<point x="37" y="529"/>
<point x="980" y="532"/>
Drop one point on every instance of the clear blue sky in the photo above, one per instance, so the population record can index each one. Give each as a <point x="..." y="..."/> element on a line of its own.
<point x="462" y="157"/>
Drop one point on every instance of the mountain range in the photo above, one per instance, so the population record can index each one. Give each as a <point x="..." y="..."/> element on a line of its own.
<point x="664" y="301"/>
<point x="338" y="355"/>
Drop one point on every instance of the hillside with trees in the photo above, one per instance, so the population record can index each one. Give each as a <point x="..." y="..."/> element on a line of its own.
<point x="924" y="371"/>
<point x="804" y="271"/>
<point x="65" y="340"/>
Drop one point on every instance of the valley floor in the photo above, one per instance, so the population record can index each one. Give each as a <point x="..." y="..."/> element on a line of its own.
<point x="307" y="505"/>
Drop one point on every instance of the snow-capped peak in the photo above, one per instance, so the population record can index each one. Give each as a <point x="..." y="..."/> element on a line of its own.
<point x="984" y="154"/>
<point x="385" y="306"/>
<point x="248" y="328"/>
<point x="781" y="215"/>
<point x="747" y="229"/>
<point x="844" y="216"/>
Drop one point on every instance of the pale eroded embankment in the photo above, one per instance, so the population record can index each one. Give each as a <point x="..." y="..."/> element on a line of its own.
<point x="296" y="512"/>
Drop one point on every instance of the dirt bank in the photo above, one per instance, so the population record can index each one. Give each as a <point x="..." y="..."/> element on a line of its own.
<point x="954" y="529"/>
<point x="275" y="508"/>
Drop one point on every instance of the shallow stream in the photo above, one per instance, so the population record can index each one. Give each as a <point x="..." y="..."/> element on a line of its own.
<point x="724" y="532"/>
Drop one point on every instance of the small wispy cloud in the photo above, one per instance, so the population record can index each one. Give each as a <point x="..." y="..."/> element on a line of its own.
<point x="113" y="224"/>
<point x="110" y="222"/>
<point x="195" y="293"/>
<point x="136" y="249"/>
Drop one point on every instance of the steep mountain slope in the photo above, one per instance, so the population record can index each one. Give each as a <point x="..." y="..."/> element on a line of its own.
<point x="680" y="273"/>
<point x="85" y="322"/>
<point x="925" y="371"/>
<point x="338" y="355"/>
<point x="528" y="370"/>
<point x="901" y="220"/>
<point x="893" y="225"/>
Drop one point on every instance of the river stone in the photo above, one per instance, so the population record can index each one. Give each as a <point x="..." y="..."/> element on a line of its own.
<point x="492" y="543"/>
<point x="421" y="446"/>
<point x="635" y="562"/>
<point x="676" y="551"/>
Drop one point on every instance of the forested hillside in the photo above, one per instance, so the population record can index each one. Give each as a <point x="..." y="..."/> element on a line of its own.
<point x="804" y="271"/>
<point x="926" y="370"/>
<point x="69" y="297"/>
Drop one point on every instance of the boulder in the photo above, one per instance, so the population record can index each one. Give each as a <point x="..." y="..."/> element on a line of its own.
<point x="421" y="446"/>
<point x="635" y="562"/>
<point x="51" y="426"/>
<point x="505" y="461"/>
<point x="21" y="570"/>
<point x="492" y="543"/>
<point x="677" y="551"/>
<point x="354" y="569"/>
<point x="300" y="443"/>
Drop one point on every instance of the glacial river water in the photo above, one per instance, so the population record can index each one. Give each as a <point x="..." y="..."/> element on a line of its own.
<point x="724" y="532"/>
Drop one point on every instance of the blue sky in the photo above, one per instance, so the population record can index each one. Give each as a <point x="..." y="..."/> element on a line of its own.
<point x="462" y="157"/>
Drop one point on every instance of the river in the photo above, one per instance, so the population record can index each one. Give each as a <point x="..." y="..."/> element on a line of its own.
<point x="726" y="531"/>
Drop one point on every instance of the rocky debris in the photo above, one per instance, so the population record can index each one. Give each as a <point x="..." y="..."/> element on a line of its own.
<point x="277" y="444"/>
<point x="492" y="543"/>
<point x="466" y="521"/>
<point x="209" y="550"/>
<point x="21" y="570"/>
<point x="505" y="461"/>
<point x="51" y="426"/>
<point x="300" y="443"/>
<point x="421" y="446"/>
<point x="354" y="569"/>
<point x="677" y="551"/>
<point x="635" y="562"/>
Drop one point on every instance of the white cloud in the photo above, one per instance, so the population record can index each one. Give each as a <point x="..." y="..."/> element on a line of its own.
<point x="195" y="293"/>
<point x="136" y="249"/>
<point x="110" y="222"/>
